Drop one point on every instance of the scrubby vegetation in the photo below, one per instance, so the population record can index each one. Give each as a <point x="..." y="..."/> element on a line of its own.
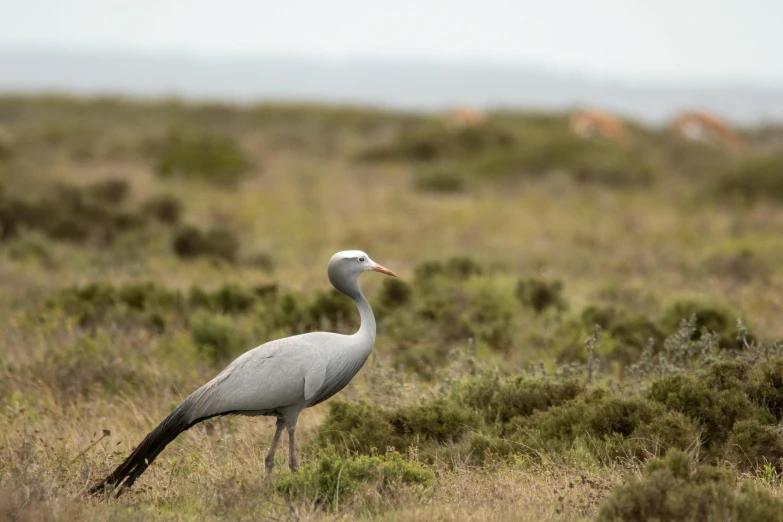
<point x="675" y="489"/>
<point x="580" y="329"/>
<point x="215" y="159"/>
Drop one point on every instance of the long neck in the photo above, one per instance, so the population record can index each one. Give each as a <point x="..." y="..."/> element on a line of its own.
<point x="349" y="285"/>
<point x="366" y="331"/>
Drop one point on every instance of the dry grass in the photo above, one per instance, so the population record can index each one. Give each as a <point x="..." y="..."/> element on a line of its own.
<point x="62" y="429"/>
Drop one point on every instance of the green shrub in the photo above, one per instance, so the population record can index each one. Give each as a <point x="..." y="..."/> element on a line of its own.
<point x="667" y="431"/>
<point x="165" y="208"/>
<point x="332" y="479"/>
<point x="330" y="310"/>
<point x="614" y="427"/>
<point x="766" y="386"/>
<point x="632" y="335"/>
<point x="439" y="179"/>
<point x="214" y="159"/>
<point x="586" y="162"/>
<point x="486" y="448"/>
<point x="359" y="428"/>
<point x="69" y="215"/>
<point x="88" y="304"/>
<point x="230" y="298"/>
<point x="629" y="334"/>
<point x="31" y="245"/>
<point x="488" y="317"/>
<point x="755" y="178"/>
<point x="190" y="242"/>
<point x="111" y="191"/>
<point x="601" y="316"/>
<point x="134" y="303"/>
<point x="752" y="444"/>
<point x="612" y="167"/>
<point x="456" y="268"/>
<point x="217" y="336"/>
<point x="434" y="142"/>
<point x="501" y="399"/>
<point x="68" y="228"/>
<point x="674" y="489"/>
<point x="289" y="312"/>
<point x="365" y="429"/>
<point x="394" y="293"/>
<point x="715" y="410"/>
<point x="709" y="317"/>
<point x="147" y="296"/>
<point x="539" y="294"/>
<point x="440" y="420"/>
<point x="619" y="416"/>
<point x="728" y="375"/>
<point x="460" y="311"/>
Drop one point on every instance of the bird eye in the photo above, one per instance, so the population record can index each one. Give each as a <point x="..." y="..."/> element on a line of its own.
<point x="361" y="260"/>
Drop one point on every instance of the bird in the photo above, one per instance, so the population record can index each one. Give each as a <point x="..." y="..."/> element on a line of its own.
<point x="279" y="378"/>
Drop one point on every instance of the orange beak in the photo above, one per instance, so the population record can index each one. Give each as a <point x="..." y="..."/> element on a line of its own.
<point x="383" y="270"/>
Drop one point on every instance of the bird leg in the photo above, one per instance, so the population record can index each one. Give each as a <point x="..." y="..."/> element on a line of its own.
<point x="269" y="461"/>
<point x="291" y="426"/>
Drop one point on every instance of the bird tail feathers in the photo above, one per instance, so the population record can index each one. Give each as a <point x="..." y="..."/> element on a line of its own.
<point x="139" y="460"/>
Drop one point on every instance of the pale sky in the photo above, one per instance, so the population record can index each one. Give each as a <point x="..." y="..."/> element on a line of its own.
<point x="651" y="40"/>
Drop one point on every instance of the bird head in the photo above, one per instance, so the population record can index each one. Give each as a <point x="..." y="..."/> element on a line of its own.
<point x="344" y="268"/>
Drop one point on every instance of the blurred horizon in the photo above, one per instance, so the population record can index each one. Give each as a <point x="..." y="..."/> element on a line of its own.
<point x="394" y="84"/>
<point x="645" y="61"/>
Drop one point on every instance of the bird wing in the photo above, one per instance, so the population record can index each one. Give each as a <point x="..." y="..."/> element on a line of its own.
<point x="278" y="374"/>
<point x="314" y="379"/>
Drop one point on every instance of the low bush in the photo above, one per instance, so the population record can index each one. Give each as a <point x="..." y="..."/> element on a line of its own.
<point x="610" y="427"/>
<point x="358" y="428"/>
<point x="439" y="420"/>
<point x="756" y="178"/>
<point x="752" y="444"/>
<point x="585" y="162"/>
<point x="332" y="479"/>
<point x="218" y="337"/>
<point x="710" y="317"/>
<point x="501" y="399"/>
<point x="626" y="335"/>
<point x="456" y="268"/>
<point x="31" y="245"/>
<point x="230" y="298"/>
<point x="153" y="305"/>
<point x="332" y="311"/>
<point x="73" y="214"/>
<point x="394" y="293"/>
<point x="164" y="208"/>
<point x="473" y="310"/>
<point x="540" y="295"/>
<point x="364" y="429"/>
<point x="110" y="191"/>
<point x="214" y="159"/>
<point x="190" y="242"/>
<point x="439" y="179"/>
<point x="766" y="386"/>
<point x="677" y="490"/>
<point x="716" y="410"/>
<point x="433" y="142"/>
<point x="137" y="303"/>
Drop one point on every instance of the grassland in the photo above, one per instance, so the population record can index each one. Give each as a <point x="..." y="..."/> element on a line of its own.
<point x="145" y="244"/>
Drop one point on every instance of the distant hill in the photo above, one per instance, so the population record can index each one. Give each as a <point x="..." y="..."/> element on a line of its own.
<point x="398" y="84"/>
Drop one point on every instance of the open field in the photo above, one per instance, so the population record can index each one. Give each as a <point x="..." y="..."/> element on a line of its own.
<point x="143" y="245"/>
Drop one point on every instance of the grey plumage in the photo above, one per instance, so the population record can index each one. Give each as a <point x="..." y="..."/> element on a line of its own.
<point x="279" y="378"/>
